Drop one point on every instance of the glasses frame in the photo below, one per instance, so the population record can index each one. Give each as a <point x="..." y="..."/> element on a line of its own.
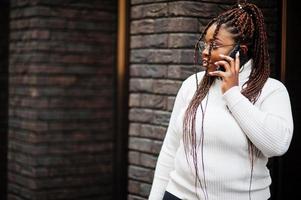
<point x="212" y="45"/>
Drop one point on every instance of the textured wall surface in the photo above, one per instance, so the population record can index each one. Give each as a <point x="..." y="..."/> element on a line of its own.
<point x="163" y="34"/>
<point x="61" y="71"/>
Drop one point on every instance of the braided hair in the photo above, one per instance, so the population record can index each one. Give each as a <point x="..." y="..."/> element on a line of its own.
<point x="246" y="23"/>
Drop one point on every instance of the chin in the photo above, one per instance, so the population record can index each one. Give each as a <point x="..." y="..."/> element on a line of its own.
<point x="211" y="68"/>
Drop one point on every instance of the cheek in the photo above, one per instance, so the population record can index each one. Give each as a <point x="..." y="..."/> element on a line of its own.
<point x="215" y="55"/>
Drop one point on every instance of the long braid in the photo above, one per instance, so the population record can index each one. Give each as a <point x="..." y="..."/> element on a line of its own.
<point x="247" y="26"/>
<point x="190" y="138"/>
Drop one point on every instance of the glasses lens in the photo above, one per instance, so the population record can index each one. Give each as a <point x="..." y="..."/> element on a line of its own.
<point x="201" y="46"/>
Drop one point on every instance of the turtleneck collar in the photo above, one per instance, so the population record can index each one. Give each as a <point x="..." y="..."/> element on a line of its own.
<point x="245" y="71"/>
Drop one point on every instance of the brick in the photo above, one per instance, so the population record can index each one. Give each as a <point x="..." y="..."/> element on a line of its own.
<point x="51" y="137"/>
<point x="150" y="116"/>
<point x="141" y="115"/>
<point x="187" y="56"/>
<point x="68" y="148"/>
<point x="145" y="145"/>
<point x="149" y="41"/>
<point x="139" y="173"/>
<point x="141" y="85"/>
<point x="35" y="69"/>
<point x="148" y="71"/>
<point x="142" y="159"/>
<point x="148" y="160"/>
<point x="138" y="188"/>
<point x="166" y="86"/>
<point x="62" y="115"/>
<point x="55" y="91"/>
<point x="68" y="161"/>
<point x="29" y="125"/>
<point x="142" y="26"/>
<point x="162" y="56"/>
<point x="147" y="131"/>
<point x="201" y="25"/>
<point x="134" y="129"/>
<point x="153" y="131"/>
<point x="58" y="58"/>
<point x="153" y="101"/>
<point x="176" y="24"/>
<point x="60" y="181"/>
<point x="181" y="71"/>
<point x="34" y="80"/>
<point x="56" y="47"/>
<point x="149" y="10"/>
<point x="182" y="40"/>
<point x="46" y="11"/>
<point x="133" y="2"/>
<point x="195" y="9"/>
<point x="171" y="101"/>
<point x="54" y="23"/>
<point x="79" y="126"/>
<point x="165" y="56"/>
<point x="133" y="197"/>
<point x="134" y="157"/>
<point x="161" y="118"/>
<point x="164" y="25"/>
<point x="134" y="100"/>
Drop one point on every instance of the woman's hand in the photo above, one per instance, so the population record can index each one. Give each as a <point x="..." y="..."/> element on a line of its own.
<point x="230" y="76"/>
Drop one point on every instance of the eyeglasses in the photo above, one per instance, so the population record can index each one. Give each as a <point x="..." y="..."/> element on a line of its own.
<point x="202" y="45"/>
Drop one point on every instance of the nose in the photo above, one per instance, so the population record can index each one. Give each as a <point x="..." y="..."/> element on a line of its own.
<point x="205" y="52"/>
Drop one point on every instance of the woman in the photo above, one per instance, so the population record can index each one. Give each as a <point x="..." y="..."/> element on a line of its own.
<point x="224" y="127"/>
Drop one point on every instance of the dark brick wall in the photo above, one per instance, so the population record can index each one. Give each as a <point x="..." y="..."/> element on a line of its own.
<point x="61" y="111"/>
<point x="4" y="26"/>
<point x="163" y="34"/>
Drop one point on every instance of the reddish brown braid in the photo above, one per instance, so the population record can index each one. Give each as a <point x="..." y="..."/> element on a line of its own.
<point x="246" y="23"/>
<point x="202" y="91"/>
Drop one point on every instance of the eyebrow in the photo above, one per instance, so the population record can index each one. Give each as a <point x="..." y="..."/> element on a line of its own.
<point x="216" y="39"/>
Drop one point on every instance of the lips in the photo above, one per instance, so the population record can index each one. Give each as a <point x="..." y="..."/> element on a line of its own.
<point x="205" y="62"/>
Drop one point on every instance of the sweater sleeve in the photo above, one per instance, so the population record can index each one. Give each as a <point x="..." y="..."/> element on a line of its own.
<point x="165" y="163"/>
<point x="270" y="126"/>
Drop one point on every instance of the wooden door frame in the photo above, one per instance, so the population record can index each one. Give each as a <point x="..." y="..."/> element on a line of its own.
<point x="122" y="82"/>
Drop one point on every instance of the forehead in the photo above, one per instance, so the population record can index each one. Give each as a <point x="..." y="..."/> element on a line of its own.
<point x="223" y="34"/>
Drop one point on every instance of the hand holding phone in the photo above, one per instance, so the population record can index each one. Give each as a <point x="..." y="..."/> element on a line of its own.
<point x="231" y="54"/>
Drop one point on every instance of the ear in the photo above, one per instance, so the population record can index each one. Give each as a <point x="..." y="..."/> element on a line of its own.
<point x="244" y="49"/>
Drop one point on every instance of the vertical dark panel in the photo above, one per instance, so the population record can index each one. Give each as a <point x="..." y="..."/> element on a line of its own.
<point x="291" y="174"/>
<point x="4" y="24"/>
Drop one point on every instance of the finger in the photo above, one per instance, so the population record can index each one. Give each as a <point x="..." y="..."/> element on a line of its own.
<point x="230" y="60"/>
<point x="217" y="73"/>
<point x="237" y="62"/>
<point x="224" y="64"/>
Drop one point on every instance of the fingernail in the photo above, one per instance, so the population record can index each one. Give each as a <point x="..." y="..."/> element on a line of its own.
<point x="221" y="55"/>
<point x="237" y="54"/>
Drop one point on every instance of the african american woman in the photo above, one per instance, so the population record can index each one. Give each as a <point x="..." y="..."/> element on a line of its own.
<point x="227" y="120"/>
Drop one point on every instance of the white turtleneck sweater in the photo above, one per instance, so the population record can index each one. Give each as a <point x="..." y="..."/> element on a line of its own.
<point x="229" y="120"/>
